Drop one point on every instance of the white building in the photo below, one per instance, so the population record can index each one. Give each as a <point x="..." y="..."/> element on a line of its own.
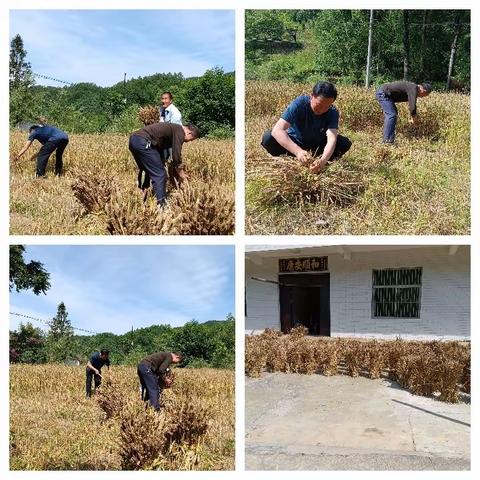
<point x="387" y="291"/>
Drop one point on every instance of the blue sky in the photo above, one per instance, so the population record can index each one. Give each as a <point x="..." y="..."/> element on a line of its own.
<point x="98" y="46"/>
<point x="110" y="288"/>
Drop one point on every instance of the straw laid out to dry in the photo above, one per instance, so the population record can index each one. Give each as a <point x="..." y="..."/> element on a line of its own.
<point x="287" y="180"/>
<point x="424" y="368"/>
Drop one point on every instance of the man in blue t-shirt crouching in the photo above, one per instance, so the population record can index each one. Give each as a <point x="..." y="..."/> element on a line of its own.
<point x="309" y="124"/>
<point x="52" y="139"/>
<point x="94" y="369"/>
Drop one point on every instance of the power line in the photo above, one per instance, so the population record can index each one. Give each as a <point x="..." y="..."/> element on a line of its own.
<point x="47" y="322"/>
<point x="52" y="78"/>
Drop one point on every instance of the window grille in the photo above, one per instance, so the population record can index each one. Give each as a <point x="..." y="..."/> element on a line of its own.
<point x="396" y="293"/>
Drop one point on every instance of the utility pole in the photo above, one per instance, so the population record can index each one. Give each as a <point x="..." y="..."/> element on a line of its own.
<point x="369" y="54"/>
<point x="125" y="98"/>
<point x="406" y="44"/>
<point x="453" y="51"/>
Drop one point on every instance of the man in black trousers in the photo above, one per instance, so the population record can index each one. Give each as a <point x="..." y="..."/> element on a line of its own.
<point x="309" y="124"/>
<point x="147" y="145"/>
<point x="53" y="140"/>
<point x="389" y="94"/>
<point x="94" y="369"/>
<point x="153" y="370"/>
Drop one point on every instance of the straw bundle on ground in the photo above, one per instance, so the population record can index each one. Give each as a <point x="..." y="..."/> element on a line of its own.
<point x="285" y="179"/>
<point x="424" y="368"/>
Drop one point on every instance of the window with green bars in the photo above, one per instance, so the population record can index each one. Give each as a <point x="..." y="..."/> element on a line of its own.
<point x="396" y="293"/>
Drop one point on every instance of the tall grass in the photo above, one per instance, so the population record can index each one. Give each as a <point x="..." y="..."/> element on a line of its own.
<point x="419" y="186"/>
<point x="53" y="426"/>
<point x="98" y="193"/>
<point x="424" y="368"/>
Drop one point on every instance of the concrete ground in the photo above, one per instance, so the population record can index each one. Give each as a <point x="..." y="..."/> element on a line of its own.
<point x="312" y="422"/>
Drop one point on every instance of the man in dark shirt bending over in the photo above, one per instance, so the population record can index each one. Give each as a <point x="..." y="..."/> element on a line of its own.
<point x="310" y="123"/>
<point x="391" y="93"/>
<point x="94" y="369"/>
<point x="147" y="145"/>
<point x="153" y="369"/>
<point x="52" y="139"/>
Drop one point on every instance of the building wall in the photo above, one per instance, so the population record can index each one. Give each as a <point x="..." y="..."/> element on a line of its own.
<point x="445" y="297"/>
<point x="263" y="306"/>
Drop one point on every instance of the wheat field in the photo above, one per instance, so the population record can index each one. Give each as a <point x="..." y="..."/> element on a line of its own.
<point x="54" y="427"/>
<point x="97" y="195"/>
<point x="419" y="186"/>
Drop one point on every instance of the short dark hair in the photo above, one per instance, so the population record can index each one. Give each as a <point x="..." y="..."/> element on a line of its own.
<point x="169" y="94"/>
<point x="325" y="89"/>
<point x="179" y="355"/>
<point x="193" y="129"/>
<point x="427" y="86"/>
<point x="33" y="127"/>
<point x="104" y="352"/>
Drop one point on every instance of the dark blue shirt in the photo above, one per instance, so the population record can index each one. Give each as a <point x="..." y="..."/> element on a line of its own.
<point x="306" y="128"/>
<point x="97" y="362"/>
<point x="47" y="133"/>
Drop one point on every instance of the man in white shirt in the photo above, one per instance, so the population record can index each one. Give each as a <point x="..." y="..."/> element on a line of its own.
<point x="169" y="113"/>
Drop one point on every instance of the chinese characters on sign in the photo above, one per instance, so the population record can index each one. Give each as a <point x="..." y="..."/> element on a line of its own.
<point x="310" y="264"/>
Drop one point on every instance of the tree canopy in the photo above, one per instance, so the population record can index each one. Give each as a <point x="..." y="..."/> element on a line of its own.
<point x="209" y="344"/>
<point x="418" y="45"/>
<point x="208" y="100"/>
<point x="27" y="276"/>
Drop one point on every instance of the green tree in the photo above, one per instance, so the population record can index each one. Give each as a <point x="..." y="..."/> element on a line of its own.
<point x="60" y="325"/>
<point x="223" y="357"/>
<point x="194" y="341"/>
<point x="60" y="342"/>
<point x="344" y="31"/>
<point x="261" y="24"/>
<point x="27" y="344"/>
<point x="135" y="356"/>
<point x="27" y="276"/>
<point x="423" y="42"/>
<point x="208" y="101"/>
<point x="20" y="69"/>
<point x="21" y="81"/>
<point x="126" y="122"/>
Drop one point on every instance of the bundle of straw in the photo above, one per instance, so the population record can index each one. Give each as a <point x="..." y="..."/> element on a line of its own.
<point x="149" y="114"/>
<point x="286" y="179"/>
